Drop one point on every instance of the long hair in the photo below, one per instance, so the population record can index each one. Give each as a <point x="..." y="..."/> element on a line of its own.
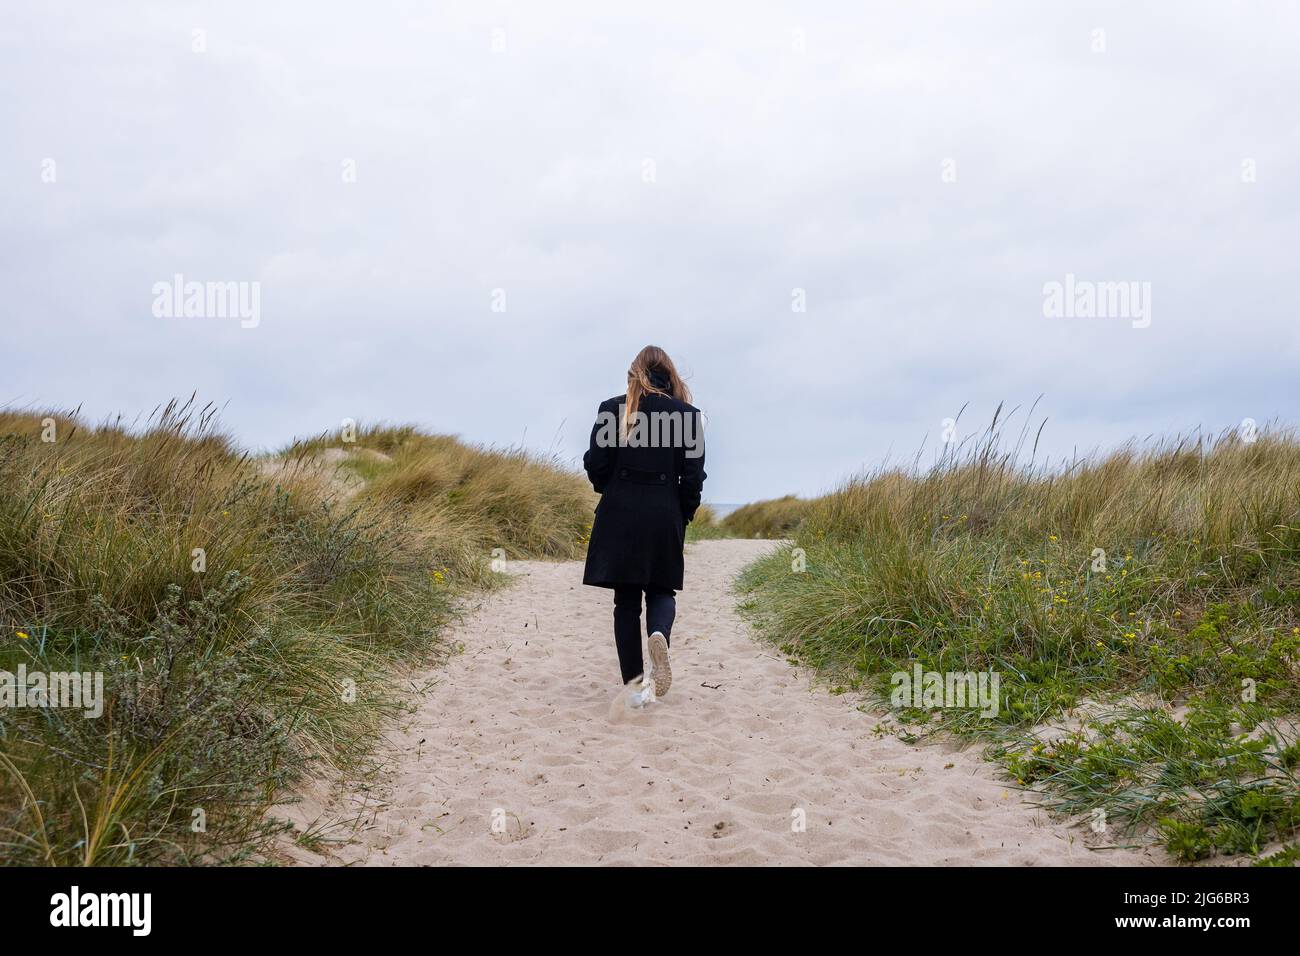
<point x="652" y="359"/>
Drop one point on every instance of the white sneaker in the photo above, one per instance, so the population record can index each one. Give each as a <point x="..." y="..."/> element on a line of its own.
<point x="660" y="672"/>
<point x="641" y="691"/>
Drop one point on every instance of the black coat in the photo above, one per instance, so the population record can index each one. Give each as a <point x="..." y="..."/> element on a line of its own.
<point x="647" y="496"/>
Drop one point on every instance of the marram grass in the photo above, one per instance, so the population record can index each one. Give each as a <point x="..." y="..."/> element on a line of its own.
<point x="249" y="616"/>
<point x="1162" y="581"/>
<point x="776" y="518"/>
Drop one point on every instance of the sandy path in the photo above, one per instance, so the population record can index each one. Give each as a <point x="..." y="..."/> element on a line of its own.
<point x="525" y="728"/>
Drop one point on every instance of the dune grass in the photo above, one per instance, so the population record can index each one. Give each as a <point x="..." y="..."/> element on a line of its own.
<point x="705" y="526"/>
<point x="1163" y="582"/>
<point x="774" y="518"/>
<point x="248" y="616"/>
<point x="521" y="503"/>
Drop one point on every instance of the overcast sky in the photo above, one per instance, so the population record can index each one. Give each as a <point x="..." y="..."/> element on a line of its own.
<point x="664" y="173"/>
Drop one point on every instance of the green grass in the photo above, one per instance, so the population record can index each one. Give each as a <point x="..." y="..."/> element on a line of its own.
<point x="1287" y="856"/>
<point x="1214" y="781"/>
<point x="981" y="564"/>
<point x="275" y="656"/>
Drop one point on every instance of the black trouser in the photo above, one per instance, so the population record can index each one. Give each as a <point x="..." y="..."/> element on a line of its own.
<point x="660" y="609"/>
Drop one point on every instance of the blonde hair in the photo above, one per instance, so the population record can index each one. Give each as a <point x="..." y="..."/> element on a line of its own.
<point x="651" y="359"/>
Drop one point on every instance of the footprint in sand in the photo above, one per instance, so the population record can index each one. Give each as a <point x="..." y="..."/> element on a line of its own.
<point x="707" y="775"/>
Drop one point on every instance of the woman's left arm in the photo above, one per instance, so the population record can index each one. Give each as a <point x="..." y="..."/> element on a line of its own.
<point x="690" y="468"/>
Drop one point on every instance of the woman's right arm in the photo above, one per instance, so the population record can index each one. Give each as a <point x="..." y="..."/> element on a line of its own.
<point x="601" y="450"/>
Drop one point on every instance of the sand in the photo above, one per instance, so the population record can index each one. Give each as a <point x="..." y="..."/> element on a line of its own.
<point x="521" y="752"/>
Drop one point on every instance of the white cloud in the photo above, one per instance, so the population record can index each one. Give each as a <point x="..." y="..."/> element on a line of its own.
<point x="774" y="169"/>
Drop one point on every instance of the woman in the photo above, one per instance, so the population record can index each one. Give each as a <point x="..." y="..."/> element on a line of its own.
<point x="646" y="459"/>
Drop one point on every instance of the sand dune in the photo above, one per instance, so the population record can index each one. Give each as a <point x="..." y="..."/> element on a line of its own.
<point x="521" y="753"/>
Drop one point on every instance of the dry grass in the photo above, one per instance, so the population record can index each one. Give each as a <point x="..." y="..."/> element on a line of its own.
<point x="524" y="504"/>
<point x="1169" y="571"/>
<point x="775" y="518"/>
<point x="226" y="679"/>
